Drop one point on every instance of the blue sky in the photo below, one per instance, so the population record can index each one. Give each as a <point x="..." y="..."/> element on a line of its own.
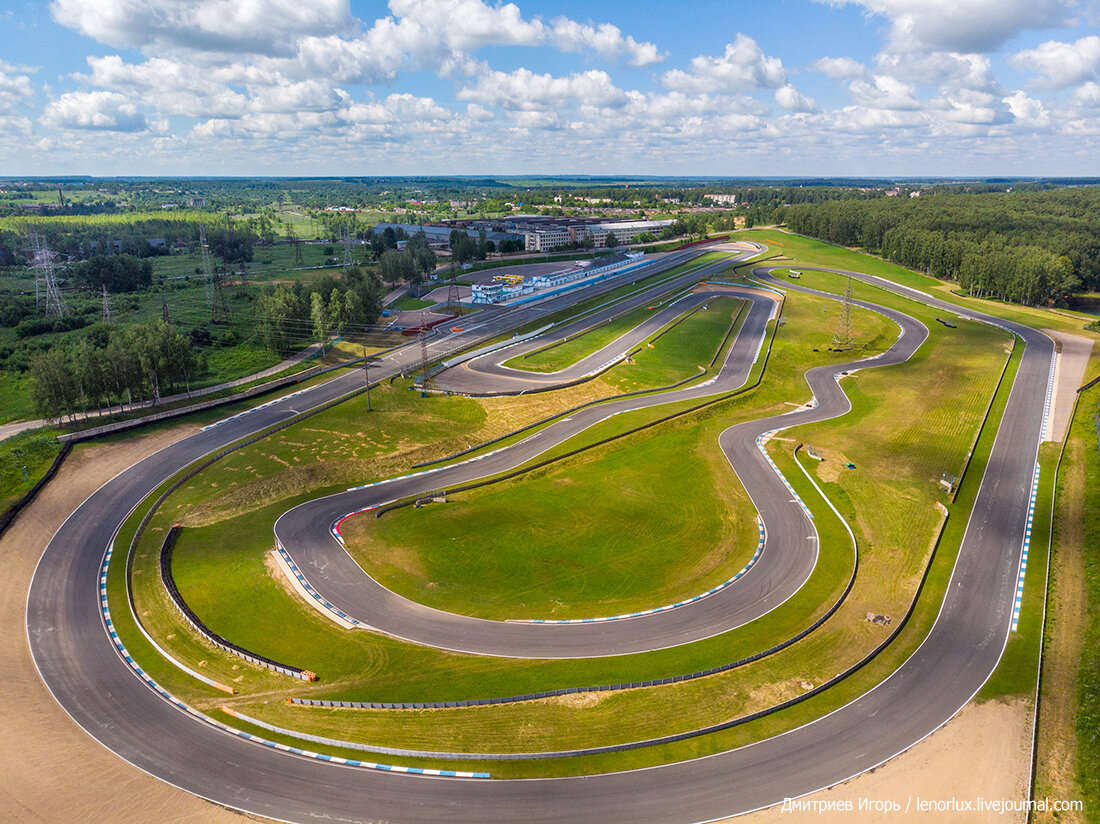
<point x="331" y="87"/>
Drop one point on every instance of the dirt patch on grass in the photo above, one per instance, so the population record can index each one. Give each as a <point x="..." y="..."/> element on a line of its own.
<point x="984" y="751"/>
<point x="506" y="414"/>
<point x="277" y="575"/>
<point x="579" y="700"/>
<point x="50" y="769"/>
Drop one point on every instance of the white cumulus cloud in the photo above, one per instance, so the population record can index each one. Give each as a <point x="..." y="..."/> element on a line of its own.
<point x="15" y="88"/>
<point x="251" y="26"/>
<point x="103" y="111"/>
<point x="794" y="101"/>
<point x="605" y="39"/>
<point x="963" y="25"/>
<point x="838" y="68"/>
<point x="526" y="91"/>
<point x="742" y="67"/>
<point x="1062" y="64"/>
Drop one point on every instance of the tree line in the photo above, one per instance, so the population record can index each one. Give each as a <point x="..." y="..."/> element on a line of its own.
<point x="1031" y="247"/>
<point x="287" y="316"/>
<point x="120" y="367"/>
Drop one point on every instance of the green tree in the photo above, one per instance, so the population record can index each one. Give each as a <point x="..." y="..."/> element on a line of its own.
<point x="278" y="317"/>
<point x="52" y="384"/>
<point x="322" y="319"/>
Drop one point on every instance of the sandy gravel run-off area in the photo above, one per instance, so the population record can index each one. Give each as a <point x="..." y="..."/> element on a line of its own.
<point x="50" y="769"/>
<point x="984" y="751"/>
<point x="1068" y="376"/>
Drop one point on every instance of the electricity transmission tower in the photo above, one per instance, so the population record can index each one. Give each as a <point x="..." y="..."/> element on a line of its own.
<point x="215" y="289"/>
<point x="292" y="237"/>
<point x="842" y="337"/>
<point x="345" y="238"/>
<point x="219" y="309"/>
<point x="44" y="269"/>
<point x="107" y="313"/>
<point x="454" y="301"/>
<point x="207" y="269"/>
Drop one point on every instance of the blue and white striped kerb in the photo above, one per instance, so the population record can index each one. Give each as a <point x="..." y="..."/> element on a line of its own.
<point x="314" y="594"/>
<point x="167" y="696"/>
<point x="760" y="441"/>
<point x="257" y="408"/>
<point x="1023" y="556"/>
<point x="1048" y="403"/>
<point x="666" y="608"/>
<point x="425" y="472"/>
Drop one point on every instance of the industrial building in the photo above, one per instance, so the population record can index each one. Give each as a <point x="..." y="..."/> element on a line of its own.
<point x="538" y="233"/>
<point x="542" y="233"/>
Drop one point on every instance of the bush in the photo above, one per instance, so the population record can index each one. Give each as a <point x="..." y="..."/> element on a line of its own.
<point x="30" y="327"/>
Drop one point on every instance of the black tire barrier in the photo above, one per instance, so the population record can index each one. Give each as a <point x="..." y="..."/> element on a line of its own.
<point x="9" y="516"/>
<point x="209" y="461"/>
<point x="194" y="620"/>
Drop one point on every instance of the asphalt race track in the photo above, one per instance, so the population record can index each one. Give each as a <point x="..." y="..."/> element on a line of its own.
<point x="85" y="674"/>
<point x="790" y="549"/>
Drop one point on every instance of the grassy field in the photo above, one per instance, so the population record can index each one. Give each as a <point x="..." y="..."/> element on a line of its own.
<point x="585" y="707"/>
<point x="682" y="350"/>
<point x="1068" y="755"/>
<point x="30" y="453"/>
<point x="593" y="537"/>
<point x="568" y="353"/>
<point x="1088" y="684"/>
<point x="409" y="304"/>
<point x="253" y="607"/>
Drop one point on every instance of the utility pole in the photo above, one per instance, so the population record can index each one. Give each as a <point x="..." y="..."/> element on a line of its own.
<point x="425" y="374"/>
<point x="366" y="374"/>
